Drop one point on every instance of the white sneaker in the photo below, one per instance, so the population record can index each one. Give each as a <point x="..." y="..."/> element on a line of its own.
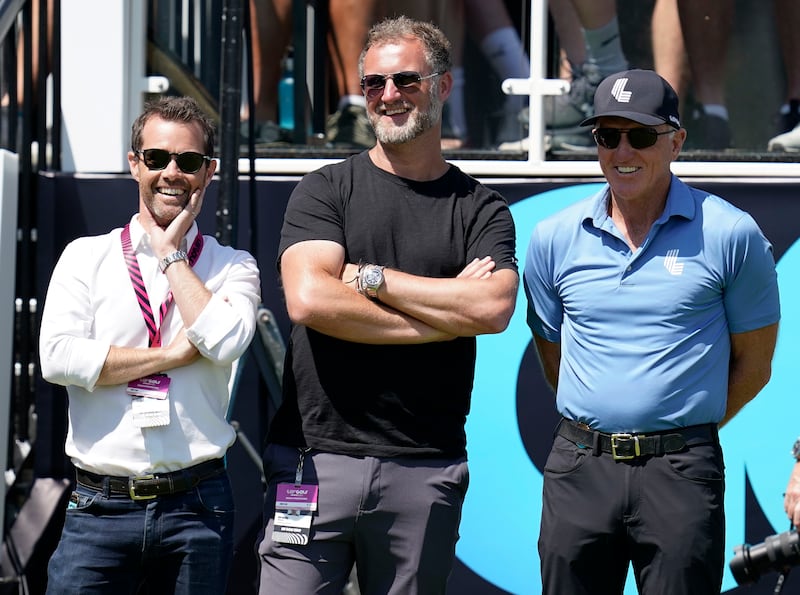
<point x="788" y="142"/>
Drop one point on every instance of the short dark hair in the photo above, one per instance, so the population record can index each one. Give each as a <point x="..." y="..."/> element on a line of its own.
<point x="435" y="43"/>
<point x="175" y="109"/>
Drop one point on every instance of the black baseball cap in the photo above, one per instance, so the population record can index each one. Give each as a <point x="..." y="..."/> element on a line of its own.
<point x="638" y="95"/>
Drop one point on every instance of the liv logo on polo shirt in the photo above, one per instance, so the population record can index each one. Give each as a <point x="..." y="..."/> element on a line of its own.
<point x="671" y="263"/>
<point x="619" y="92"/>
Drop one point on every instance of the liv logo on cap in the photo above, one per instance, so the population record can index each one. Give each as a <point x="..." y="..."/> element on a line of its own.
<point x="619" y="92"/>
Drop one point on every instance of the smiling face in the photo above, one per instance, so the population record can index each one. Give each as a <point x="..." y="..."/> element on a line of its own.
<point x="399" y="115"/>
<point x="165" y="192"/>
<point x="635" y="174"/>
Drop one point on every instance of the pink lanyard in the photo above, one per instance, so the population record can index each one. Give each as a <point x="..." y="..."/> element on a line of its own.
<point x="141" y="291"/>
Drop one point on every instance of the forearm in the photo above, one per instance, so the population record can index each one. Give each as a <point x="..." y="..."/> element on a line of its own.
<point x="549" y="359"/>
<point x="457" y="306"/>
<point x="124" y="364"/>
<point x="335" y="309"/>
<point x="750" y="367"/>
<point x="189" y="292"/>
<point x="743" y="386"/>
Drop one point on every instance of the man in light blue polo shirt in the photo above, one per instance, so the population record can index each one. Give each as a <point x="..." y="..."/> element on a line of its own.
<point x="654" y="309"/>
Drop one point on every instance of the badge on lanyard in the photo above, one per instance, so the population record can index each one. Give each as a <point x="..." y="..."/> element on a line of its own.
<point x="295" y="504"/>
<point x="150" y="403"/>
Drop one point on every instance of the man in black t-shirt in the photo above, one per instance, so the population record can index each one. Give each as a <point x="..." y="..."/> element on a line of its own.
<point x="392" y="262"/>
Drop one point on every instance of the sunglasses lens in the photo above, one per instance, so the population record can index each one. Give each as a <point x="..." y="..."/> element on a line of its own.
<point x="641" y="138"/>
<point x="156" y="158"/>
<point x="374" y="81"/>
<point x="608" y="137"/>
<point x="189" y="162"/>
<point x="406" y="79"/>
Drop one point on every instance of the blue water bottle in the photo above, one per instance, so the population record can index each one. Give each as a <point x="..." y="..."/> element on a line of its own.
<point x="286" y="95"/>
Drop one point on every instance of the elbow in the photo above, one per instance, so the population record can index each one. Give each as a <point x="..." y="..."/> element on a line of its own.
<point x="498" y="320"/>
<point x="301" y="308"/>
<point x="763" y="377"/>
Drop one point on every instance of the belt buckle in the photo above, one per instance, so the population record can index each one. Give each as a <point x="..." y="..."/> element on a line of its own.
<point x="615" y="442"/>
<point x="132" y="487"/>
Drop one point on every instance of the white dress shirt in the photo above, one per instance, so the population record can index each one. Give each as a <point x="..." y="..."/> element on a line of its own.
<point x="91" y="306"/>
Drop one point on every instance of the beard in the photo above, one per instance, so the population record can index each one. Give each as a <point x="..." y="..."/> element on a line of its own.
<point x="416" y="123"/>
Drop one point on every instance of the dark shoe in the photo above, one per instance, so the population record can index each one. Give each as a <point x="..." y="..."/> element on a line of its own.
<point x="349" y="128"/>
<point x="708" y="132"/>
<point x="569" y="110"/>
<point x="265" y="133"/>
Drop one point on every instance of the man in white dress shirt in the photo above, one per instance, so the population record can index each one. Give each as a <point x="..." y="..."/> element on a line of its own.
<point x="142" y="325"/>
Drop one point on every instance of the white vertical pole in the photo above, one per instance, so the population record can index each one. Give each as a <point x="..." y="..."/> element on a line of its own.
<point x="9" y="181"/>
<point x="103" y="56"/>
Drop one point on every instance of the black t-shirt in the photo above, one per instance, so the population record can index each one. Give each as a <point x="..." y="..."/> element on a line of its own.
<point x="387" y="400"/>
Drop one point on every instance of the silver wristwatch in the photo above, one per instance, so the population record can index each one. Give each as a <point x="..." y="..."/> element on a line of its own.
<point x="370" y="280"/>
<point x="170" y="258"/>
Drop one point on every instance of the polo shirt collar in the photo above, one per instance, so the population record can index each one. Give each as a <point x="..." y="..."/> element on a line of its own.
<point x="679" y="204"/>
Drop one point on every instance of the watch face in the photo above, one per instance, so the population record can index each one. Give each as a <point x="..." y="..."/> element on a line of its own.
<point x="373" y="277"/>
<point x="796" y="449"/>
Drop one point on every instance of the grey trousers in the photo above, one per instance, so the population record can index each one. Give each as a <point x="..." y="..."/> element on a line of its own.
<point x="396" y="518"/>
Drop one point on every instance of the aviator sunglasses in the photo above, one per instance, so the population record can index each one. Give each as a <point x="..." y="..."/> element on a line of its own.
<point x="189" y="162"/>
<point x="639" y="138"/>
<point x="402" y="80"/>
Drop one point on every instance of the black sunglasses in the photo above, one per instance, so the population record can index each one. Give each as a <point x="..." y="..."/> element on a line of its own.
<point x="639" y="138"/>
<point x="189" y="162"/>
<point x="376" y="82"/>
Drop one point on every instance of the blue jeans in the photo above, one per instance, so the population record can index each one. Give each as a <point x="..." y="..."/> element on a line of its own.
<point x="181" y="544"/>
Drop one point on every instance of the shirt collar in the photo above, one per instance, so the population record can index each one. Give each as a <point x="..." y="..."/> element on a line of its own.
<point x="679" y="203"/>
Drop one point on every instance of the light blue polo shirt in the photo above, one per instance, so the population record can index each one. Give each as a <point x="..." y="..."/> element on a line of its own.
<point x="644" y="335"/>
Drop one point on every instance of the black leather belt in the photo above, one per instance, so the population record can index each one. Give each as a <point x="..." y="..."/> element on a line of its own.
<point x="624" y="446"/>
<point x="145" y="487"/>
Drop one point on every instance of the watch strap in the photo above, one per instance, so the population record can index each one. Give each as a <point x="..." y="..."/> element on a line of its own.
<point x="170" y="259"/>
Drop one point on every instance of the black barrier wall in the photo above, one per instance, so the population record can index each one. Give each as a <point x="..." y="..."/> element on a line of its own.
<point x="71" y="206"/>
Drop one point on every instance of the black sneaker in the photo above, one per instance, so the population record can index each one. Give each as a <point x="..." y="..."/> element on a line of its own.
<point x="708" y="132"/>
<point x="570" y="109"/>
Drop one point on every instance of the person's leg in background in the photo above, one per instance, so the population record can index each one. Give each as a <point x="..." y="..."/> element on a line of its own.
<point x="348" y="126"/>
<point x="603" y="55"/>
<point x="490" y="25"/>
<point x="787" y="19"/>
<point x="669" y="52"/>
<point x="270" y="30"/>
<point x="706" y="30"/>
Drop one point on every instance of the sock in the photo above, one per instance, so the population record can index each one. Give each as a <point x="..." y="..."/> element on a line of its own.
<point x="714" y="109"/>
<point x="604" y="45"/>
<point x="793" y="105"/>
<point x="506" y="55"/>
<point x="455" y="103"/>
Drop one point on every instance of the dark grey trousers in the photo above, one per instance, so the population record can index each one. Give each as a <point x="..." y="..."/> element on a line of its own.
<point x="396" y="518"/>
